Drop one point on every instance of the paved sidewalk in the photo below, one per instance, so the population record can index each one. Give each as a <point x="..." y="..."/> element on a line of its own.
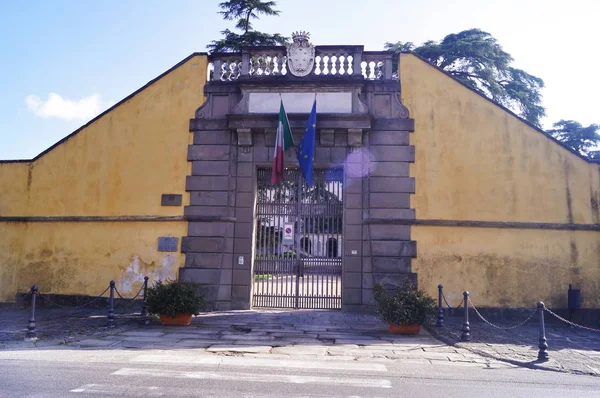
<point x="268" y="334"/>
<point x="61" y="326"/>
<point x="310" y="335"/>
<point x="571" y="350"/>
<point x="293" y="334"/>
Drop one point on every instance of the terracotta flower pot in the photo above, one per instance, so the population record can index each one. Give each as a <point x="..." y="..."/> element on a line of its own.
<point x="404" y="328"/>
<point x="180" y="319"/>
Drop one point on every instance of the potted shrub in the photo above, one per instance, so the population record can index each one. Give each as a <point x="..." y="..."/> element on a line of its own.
<point x="175" y="302"/>
<point x="405" y="310"/>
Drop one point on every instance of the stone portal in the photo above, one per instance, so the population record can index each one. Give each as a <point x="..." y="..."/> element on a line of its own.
<point x="362" y="131"/>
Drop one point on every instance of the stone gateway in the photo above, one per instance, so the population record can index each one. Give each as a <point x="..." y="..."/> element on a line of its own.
<point x="350" y="227"/>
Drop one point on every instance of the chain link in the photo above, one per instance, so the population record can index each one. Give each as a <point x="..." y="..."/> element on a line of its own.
<point x="448" y="304"/>
<point x="127" y="298"/>
<point x="569" y="322"/>
<point x="501" y="327"/>
<point x="78" y="306"/>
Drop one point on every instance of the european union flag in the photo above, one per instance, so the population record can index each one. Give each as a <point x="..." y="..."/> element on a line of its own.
<point x="306" y="151"/>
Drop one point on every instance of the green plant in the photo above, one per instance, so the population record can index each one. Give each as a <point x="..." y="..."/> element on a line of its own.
<point x="407" y="305"/>
<point x="172" y="297"/>
<point x="262" y="276"/>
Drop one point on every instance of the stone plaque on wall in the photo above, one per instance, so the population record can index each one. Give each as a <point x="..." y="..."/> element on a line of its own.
<point x="168" y="244"/>
<point x="170" y="199"/>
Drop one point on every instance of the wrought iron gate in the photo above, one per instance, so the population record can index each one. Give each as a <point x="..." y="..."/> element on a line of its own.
<point x="299" y="242"/>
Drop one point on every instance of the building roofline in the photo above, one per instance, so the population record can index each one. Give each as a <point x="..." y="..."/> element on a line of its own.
<point x="533" y="126"/>
<point x="183" y="61"/>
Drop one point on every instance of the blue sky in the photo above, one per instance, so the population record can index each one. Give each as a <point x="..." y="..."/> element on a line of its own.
<point x="64" y="61"/>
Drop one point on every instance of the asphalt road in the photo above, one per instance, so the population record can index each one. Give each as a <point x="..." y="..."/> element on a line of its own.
<point x="47" y="373"/>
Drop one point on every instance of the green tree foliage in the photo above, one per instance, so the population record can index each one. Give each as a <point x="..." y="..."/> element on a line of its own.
<point x="475" y="58"/>
<point x="582" y="139"/>
<point x="243" y="12"/>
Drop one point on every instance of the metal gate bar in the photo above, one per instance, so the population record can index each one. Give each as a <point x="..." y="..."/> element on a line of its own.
<point x="306" y="271"/>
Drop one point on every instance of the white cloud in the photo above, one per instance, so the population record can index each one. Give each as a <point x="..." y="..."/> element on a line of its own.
<point x="61" y="108"/>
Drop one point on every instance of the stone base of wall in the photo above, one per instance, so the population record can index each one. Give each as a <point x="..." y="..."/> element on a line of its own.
<point x="23" y="300"/>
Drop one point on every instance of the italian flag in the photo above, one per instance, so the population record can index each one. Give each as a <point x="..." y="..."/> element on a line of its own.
<point x="283" y="141"/>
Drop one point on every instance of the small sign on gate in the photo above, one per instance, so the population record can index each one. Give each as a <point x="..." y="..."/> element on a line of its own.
<point x="288" y="233"/>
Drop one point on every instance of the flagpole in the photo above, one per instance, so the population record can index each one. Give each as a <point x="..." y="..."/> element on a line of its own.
<point x="298" y="257"/>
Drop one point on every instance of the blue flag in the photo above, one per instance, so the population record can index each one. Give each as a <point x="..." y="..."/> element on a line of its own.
<point x="306" y="151"/>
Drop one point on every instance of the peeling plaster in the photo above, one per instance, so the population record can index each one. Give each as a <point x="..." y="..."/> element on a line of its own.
<point x="132" y="278"/>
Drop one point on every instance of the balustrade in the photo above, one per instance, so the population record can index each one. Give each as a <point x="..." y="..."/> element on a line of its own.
<point x="333" y="61"/>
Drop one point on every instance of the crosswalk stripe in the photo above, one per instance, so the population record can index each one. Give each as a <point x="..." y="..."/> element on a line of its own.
<point x="145" y="391"/>
<point x="261" y="362"/>
<point x="272" y="378"/>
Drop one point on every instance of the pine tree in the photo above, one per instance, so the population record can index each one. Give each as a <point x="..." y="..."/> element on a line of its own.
<point x="581" y="139"/>
<point x="475" y="58"/>
<point x="243" y="12"/>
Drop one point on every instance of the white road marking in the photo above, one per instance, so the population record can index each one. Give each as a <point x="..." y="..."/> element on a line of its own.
<point x="261" y="378"/>
<point x="260" y="362"/>
<point x="104" y="389"/>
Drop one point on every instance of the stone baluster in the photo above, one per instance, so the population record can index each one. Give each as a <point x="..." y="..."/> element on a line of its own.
<point x="325" y="70"/>
<point x="342" y="65"/>
<point x="367" y="71"/>
<point x="350" y="63"/>
<point x="283" y="61"/>
<point x="335" y="64"/>
<point x="276" y="64"/>
<point x="264" y="65"/>
<point x="319" y="65"/>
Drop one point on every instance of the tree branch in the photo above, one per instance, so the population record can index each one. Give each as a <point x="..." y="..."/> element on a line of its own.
<point x="467" y="74"/>
<point x="247" y="20"/>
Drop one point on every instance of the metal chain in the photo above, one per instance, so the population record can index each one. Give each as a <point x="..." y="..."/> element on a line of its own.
<point x="127" y="298"/>
<point x="569" y="322"/>
<point x="501" y="327"/>
<point x="78" y="306"/>
<point x="448" y="304"/>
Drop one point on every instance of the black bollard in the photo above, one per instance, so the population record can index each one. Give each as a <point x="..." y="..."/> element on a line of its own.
<point x="144" y="302"/>
<point x="30" y="335"/>
<point x="111" y="306"/>
<point x="440" y="317"/>
<point x="543" y="343"/>
<point x="466" y="336"/>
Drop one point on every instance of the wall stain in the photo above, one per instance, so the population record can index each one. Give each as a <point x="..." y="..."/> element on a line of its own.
<point x="45" y="253"/>
<point x="594" y="205"/>
<point x="574" y="252"/>
<point x="568" y="192"/>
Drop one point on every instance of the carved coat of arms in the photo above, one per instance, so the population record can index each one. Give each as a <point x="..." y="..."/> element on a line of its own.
<point x="300" y="54"/>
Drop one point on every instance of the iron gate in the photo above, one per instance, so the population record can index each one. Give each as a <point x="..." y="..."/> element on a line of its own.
<point x="298" y="245"/>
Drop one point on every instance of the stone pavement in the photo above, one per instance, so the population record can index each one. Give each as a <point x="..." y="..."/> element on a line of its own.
<point x="268" y="334"/>
<point x="61" y="326"/>
<point x="285" y="334"/>
<point x="571" y="350"/>
<point x="308" y="334"/>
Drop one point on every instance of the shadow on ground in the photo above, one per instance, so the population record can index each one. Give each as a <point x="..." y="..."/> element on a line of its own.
<point x="570" y="349"/>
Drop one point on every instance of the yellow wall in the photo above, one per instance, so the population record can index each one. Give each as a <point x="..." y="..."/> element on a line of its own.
<point x="14" y="179"/>
<point x="118" y="165"/>
<point x="508" y="267"/>
<point x="82" y="257"/>
<point x="475" y="161"/>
